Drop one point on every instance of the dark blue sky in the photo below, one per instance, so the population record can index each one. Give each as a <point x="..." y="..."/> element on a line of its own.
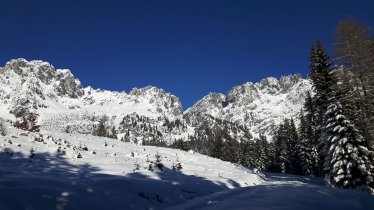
<point x="188" y="48"/>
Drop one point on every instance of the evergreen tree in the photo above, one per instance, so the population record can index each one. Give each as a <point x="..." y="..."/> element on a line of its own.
<point x="286" y="157"/>
<point x="310" y="118"/>
<point x="272" y="158"/>
<point x="282" y="160"/>
<point x="231" y="151"/>
<point x="321" y="79"/>
<point x="310" y="134"/>
<point x="2" y="128"/>
<point x="218" y="147"/>
<point x="347" y="163"/>
<point x="101" y="130"/>
<point x="261" y="153"/>
<point x="247" y="153"/>
<point x="306" y="151"/>
<point x="293" y="141"/>
<point x="322" y="82"/>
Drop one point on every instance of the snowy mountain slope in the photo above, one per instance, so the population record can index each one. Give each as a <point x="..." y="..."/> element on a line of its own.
<point x="65" y="167"/>
<point x="44" y="171"/>
<point x="110" y="174"/>
<point x="260" y="106"/>
<point x="37" y="85"/>
<point x="61" y="102"/>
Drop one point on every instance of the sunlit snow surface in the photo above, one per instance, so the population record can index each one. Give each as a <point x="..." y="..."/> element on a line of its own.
<point x="107" y="180"/>
<point x="43" y="171"/>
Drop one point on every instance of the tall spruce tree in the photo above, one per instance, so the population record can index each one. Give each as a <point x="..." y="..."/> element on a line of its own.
<point x="261" y="152"/>
<point x="286" y="158"/>
<point x="310" y="117"/>
<point x="293" y="140"/>
<point x="347" y="162"/>
<point x="280" y="160"/>
<point x="311" y="134"/>
<point x="247" y="149"/>
<point x="322" y="82"/>
<point x="231" y="151"/>
<point x="306" y="150"/>
<point x="101" y="129"/>
<point x="219" y="144"/>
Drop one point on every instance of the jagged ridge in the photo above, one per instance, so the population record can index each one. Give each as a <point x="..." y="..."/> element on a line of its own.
<point x="61" y="103"/>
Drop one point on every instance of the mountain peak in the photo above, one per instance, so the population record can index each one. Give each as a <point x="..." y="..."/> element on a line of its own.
<point x="260" y="106"/>
<point x="44" y="77"/>
<point x="273" y="85"/>
<point x="165" y="101"/>
<point x="56" y="95"/>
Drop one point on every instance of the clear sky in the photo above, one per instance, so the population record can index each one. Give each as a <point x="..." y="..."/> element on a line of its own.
<point x="188" y="48"/>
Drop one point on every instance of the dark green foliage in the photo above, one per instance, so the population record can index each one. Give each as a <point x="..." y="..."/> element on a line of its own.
<point x="154" y="141"/>
<point x="347" y="161"/>
<point x="218" y="148"/>
<point x="136" y="167"/>
<point x="315" y="106"/>
<point x="157" y="164"/>
<point x="2" y="128"/>
<point x="231" y="150"/>
<point x="101" y="130"/>
<point x="177" y="167"/>
<point x="180" y="144"/>
<point x="247" y="149"/>
<point x="321" y="79"/>
<point x="306" y="148"/>
<point x="287" y="159"/>
<point x="261" y="153"/>
<point x="214" y="140"/>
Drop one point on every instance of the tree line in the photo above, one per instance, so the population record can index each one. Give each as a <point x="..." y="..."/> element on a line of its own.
<point x="335" y="135"/>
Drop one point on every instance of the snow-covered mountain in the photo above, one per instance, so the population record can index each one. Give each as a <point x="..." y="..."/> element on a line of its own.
<point x="258" y="106"/>
<point x="145" y="114"/>
<point x="64" y="167"/>
<point x="61" y="102"/>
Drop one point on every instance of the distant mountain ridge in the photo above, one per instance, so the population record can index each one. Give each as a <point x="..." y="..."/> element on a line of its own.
<point x="258" y="106"/>
<point x="144" y="114"/>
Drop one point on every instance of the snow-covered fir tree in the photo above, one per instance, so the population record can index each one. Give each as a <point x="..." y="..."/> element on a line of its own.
<point x="261" y="153"/>
<point x="305" y="148"/>
<point x="348" y="161"/>
<point x="322" y="83"/>
<point x="285" y="146"/>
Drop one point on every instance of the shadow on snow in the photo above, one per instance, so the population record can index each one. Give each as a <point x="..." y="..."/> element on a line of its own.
<point x="49" y="181"/>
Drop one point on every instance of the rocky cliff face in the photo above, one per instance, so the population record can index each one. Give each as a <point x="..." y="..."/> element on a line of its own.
<point x="144" y="114"/>
<point x="61" y="103"/>
<point x="166" y="103"/>
<point x="258" y="106"/>
<point x="27" y="85"/>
